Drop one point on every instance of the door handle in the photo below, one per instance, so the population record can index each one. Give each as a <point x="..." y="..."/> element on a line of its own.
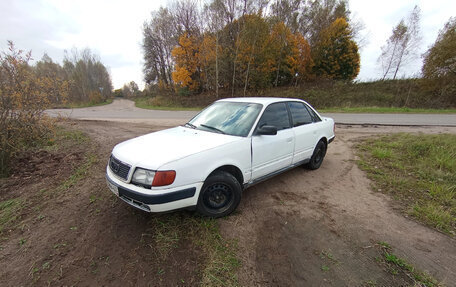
<point x="289" y="140"/>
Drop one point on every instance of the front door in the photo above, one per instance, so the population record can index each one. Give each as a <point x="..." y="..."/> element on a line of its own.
<point x="273" y="152"/>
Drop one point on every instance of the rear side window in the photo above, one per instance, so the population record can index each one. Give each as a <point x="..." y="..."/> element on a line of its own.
<point x="299" y="114"/>
<point x="315" y="117"/>
<point x="275" y="115"/>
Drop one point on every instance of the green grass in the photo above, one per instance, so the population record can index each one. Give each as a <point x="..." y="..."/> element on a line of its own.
<point x="417" y="170"/>
<point x="162" y="104"/>
<point x="385" y="110"/>
<point x="79" y="174"/>
<point x="86" y="104"/>
<point x="9" y="212"/>
<point x="219" y="263"/>
<point x="397" y="264"/>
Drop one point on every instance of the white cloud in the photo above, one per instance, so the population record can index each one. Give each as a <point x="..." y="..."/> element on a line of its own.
<point x="381" y="16"/>
<point x="113" y="29"/>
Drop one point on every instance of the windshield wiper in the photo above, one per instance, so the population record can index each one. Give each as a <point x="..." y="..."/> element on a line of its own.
<point x="213" y="128"/>
<point x="190" y="125"/>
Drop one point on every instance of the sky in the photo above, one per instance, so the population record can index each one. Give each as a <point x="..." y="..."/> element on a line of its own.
<point x="113" y="30"/>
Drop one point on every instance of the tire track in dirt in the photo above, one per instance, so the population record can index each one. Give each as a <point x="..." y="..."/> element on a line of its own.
<point x="286" y="225"/>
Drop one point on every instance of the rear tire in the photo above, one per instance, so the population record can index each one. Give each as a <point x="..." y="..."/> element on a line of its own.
<point x="220" y="195"/>
<point x="317" y="156"/>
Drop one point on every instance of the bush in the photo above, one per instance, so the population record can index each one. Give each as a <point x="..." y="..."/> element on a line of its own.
<point x="23" y="98"/>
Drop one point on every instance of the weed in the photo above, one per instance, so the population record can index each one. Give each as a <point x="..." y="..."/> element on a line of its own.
<point x="58" y="245"/>
<point x="369" y="283"/>
<point x="324" y="268"/>
<point x="327" y="254"/>
<point x="10" y="212"/>
<point x="22" y="241"/>
<point x="46" y="265"/>
<point x="79" y="173"/>
<point x="396" y="264"/>
<point x="92" y="198"/>
<point x="384" y="244"/>
<point x="73" y="228"/>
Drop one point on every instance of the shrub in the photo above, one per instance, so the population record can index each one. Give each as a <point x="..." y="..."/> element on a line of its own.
<point x="23" y="98"/>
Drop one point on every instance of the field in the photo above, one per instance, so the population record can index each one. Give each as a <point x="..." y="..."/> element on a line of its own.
<point x="62" y="226"/>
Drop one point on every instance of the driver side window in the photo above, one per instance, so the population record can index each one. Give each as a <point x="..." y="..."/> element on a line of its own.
<point x="275" y="115"/>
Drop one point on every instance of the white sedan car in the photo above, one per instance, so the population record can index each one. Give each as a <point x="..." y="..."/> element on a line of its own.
<point x="208" y="162"/>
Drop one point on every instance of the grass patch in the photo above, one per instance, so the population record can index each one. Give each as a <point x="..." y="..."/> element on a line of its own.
<point x="79" y="173"/>
<point x="220" y="261"/>
<point x="161" y="103"/>
<point x="419" y="171"/>
<point x="397" y="264"/>
<point x="9" y="212"/>
<point x="387" y="110"/>
<point x="85" y="104"/>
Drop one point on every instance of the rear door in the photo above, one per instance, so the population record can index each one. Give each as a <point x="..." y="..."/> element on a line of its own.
<point x="305" y="131"/>
<point x="273" y="152"/>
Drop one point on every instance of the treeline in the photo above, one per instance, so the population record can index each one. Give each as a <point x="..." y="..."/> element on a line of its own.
<point x="85" y="78"/>
<point x="26" y="90"/>
<point x="249" y="44"/>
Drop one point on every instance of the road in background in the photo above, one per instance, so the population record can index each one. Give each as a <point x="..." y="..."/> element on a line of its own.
<point x="125" y="111"/>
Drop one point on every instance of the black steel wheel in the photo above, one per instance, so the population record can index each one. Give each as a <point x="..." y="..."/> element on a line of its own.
<point x="317" y="156"/>
<point x="220" y="195"/>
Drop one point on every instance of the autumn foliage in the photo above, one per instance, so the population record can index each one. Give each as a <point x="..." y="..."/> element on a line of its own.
<point x="336" y="55"/>
<point x="439" y="68"/>
<point x="262" y="55"/>
<point x="24" y="94"/>
<point x="237" y="50"/>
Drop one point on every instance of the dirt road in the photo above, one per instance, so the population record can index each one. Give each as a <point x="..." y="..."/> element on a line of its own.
<point x="301" y="228"/>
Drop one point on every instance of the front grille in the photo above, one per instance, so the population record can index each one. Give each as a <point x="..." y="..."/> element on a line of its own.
<point x="119" y="168"/>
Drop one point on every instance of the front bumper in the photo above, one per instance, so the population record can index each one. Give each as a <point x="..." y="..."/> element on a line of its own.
<point x="154" y="200"/>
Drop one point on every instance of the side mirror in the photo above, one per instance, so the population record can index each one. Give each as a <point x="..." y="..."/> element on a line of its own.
<point x="267" y="130"/>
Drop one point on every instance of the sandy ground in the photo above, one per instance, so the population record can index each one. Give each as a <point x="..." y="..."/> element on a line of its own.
<point x="285" y="225"/>
<point x="301" y="228"/>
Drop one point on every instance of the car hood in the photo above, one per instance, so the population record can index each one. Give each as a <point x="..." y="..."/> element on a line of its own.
<point x="156" y="149"/>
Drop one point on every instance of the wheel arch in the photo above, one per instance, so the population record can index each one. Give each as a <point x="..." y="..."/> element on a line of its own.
<point x="231" y="169"/>
<point x="325" y="140"/>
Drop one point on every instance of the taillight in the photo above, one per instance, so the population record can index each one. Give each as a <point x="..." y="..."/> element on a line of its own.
<point x="162" y="178"/>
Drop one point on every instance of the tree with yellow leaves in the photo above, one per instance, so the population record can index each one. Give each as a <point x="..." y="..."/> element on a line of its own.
<point x="299" y="60"/>
<point x="336" y="55"/>
<point x="186" y="54"/>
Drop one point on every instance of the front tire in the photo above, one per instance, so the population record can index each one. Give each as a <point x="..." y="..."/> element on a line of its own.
<point x="317" y="156"/>
<point x="220" y="195"/>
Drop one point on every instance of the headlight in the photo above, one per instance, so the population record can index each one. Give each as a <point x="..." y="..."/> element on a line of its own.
<point x="143" y="177"/>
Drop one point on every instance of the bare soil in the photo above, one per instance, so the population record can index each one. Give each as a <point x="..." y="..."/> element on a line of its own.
<point x="302" y="228"/>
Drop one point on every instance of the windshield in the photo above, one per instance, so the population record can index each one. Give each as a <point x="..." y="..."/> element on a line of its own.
<point x="232" y="118"/>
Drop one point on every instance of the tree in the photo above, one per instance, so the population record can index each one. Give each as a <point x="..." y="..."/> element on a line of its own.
<point x="300" y="60"/>
<point x="439" y="68"/>
<point x="318" y="15"/>
<point x="187" y="67"/>
<point x="54" y="73"/>
<point x="440" y="59"/>
<point x="129" y="90"/>
<point x="89" y="79"/>
<point x="160" y="37"/>
<point x="287" y="12"/>
<point x="336" y="54"/>
<point x="402" y="45"/>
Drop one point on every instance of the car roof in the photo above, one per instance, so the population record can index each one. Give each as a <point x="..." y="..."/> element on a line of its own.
<point x="259" y="100"/>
